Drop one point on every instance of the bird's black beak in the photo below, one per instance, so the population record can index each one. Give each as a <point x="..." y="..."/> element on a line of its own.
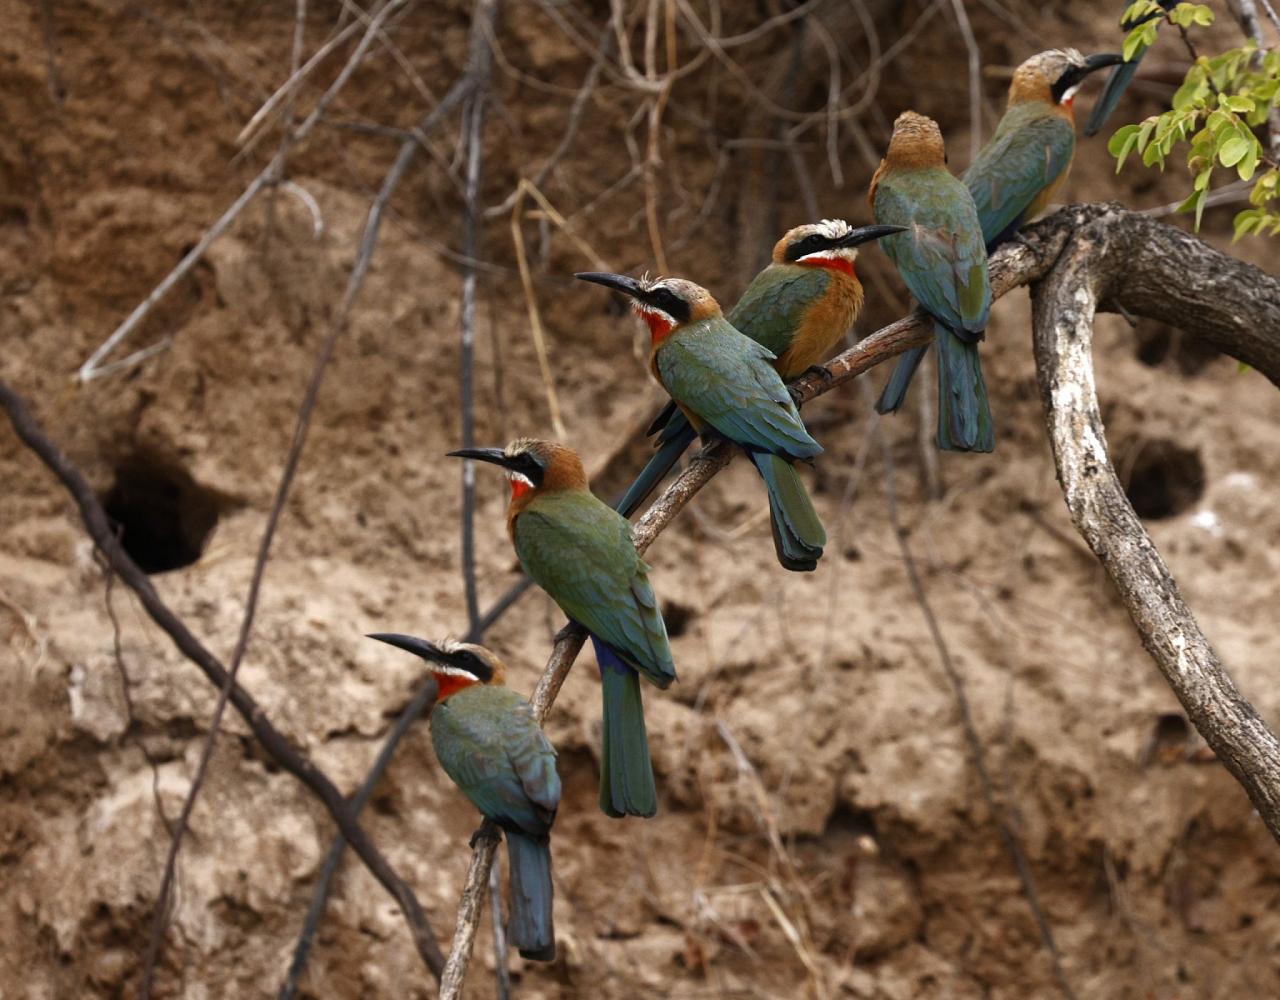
<point x="1101" y="60"/>
<point x="494" y="455"/>
<point x="418" y="647"/>
<point x="1073" y="75"/>
<point x="866" y="234"/>
<point x="618" y="282"/>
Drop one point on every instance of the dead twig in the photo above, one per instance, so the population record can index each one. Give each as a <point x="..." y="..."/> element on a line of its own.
<point x="977" y="754"/>
<point x="364" y="255"/>
<point x="472" y="83"/>
<point x="479" y="69"/>
<point x="93" y="367"/>
<point x="1012" y="265"/>
<point x="272" y="740"/>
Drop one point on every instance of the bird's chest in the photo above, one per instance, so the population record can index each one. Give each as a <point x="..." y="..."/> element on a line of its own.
<point x="468" y="721"/>
<point x="821" y="327"/>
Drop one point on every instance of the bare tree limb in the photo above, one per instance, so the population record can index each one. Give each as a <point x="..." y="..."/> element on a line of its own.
<point x="272" y="740"/>
<point x="1012" y="265"/>
<point x="977" y="755"/>
<point x="1124" y="260"/>
<point x="1184" y="287"/>
<point x="479" y="69"/>
<point x="471" y="87"/>
<point x="93" y="367"/>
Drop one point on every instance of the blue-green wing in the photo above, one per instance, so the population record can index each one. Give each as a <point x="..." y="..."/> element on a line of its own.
<point x="533" y="758"/>
<point x="773" y="306"/>
<point x="728" y="381"/>
<point x="942" y="257"/>
<point x="1031" y="148"/>
<point x="580" y="551"/>
<point x="489" y="743"/>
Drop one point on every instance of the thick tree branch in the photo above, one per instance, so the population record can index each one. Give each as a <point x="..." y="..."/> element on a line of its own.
<point x="1122" y="259"/>
<point x="272" y="740"/>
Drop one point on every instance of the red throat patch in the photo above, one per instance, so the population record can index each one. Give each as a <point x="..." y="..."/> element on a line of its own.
<point x="659" y="326"/>
<point x="832" y="264"/>
<point x="519" y="488"/>
<point x="450" y="684"/>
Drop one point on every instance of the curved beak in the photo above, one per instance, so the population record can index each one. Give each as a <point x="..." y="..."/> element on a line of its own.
<point x="618" y="282"/>
<point x="418" y="647"/>
<point x="495" y="455"/>
<point x="865" y="234"/>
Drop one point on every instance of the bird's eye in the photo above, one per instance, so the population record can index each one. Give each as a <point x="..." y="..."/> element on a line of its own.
<point x="812" y="240"/>
<point x="665" y="298"/>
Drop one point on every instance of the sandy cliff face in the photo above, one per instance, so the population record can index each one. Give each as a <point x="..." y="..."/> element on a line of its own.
<point x="822" y="829"/>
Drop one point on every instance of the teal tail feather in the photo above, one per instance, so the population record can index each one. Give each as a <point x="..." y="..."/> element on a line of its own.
<point x="530" y="928"/>
<point x="676" y="437"/>
<point x="964" y="415"/>
<point x="627" y="787"/>
<point x="1118" y="81"/>
<point x="798" y="535"/>
<point x="895" y="390"/>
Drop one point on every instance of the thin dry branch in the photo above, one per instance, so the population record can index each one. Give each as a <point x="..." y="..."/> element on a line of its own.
<point x="1117" y="259"/>
<point x="977" y="754"/>
<point x="93" y="367"/>
<point x="471" y="84"/>
<point x="1011" y="266"/>
<point x="1244" y="323"/>
<point x="272" y="740"/>
<point x="359" y="270"/>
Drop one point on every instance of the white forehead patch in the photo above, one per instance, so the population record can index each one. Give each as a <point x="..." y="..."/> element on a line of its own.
<point x="833" y="229"/>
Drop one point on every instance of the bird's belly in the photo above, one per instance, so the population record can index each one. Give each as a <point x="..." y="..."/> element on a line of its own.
<point x="825" y="322"/>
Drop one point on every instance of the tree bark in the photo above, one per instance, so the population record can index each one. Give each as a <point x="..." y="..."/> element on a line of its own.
<point x="1119" y="259"/>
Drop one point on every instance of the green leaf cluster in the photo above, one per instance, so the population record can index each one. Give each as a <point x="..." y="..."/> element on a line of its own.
<point x="1222" y="100"/>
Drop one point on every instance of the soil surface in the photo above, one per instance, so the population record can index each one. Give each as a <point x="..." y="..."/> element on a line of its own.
<point x="823" y="830"/>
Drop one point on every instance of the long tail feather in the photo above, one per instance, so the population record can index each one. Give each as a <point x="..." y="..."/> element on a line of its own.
<point x="798" y="535"/>
<point x="677" y="439"/>
<point x="964" y="415"/>
<point x="626" y="773"/>
<point x="895" y="390"/>
<point x="1118" y="81"/>
<point x="530" y="927"/>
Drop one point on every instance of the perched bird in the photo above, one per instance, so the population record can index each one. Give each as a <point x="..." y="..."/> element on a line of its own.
<point x="1020" y="170"/>
<point x="1018" y="173"/>
<point x="798" y="307"/>
<point x="944" y="264"/>
<point x="488" y="741"/>
<point x="1122" y="75"/>
<point x="580" y="551"/>
<point x="724" y="381"/>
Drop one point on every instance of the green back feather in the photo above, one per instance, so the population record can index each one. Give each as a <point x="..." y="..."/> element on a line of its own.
<point x="773" y="306"/>
<point x="489" y="743"/>
<point x="579" y="550"/>
<point x="942" y="257"/>
<point x="1032" y="145"/>
<point x="727" y="380"/>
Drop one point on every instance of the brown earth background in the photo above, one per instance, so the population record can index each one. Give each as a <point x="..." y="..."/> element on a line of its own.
<point x="847" y="849"/>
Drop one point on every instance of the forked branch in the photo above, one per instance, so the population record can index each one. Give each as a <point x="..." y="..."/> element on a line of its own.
<point x="1119" y="259"/>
